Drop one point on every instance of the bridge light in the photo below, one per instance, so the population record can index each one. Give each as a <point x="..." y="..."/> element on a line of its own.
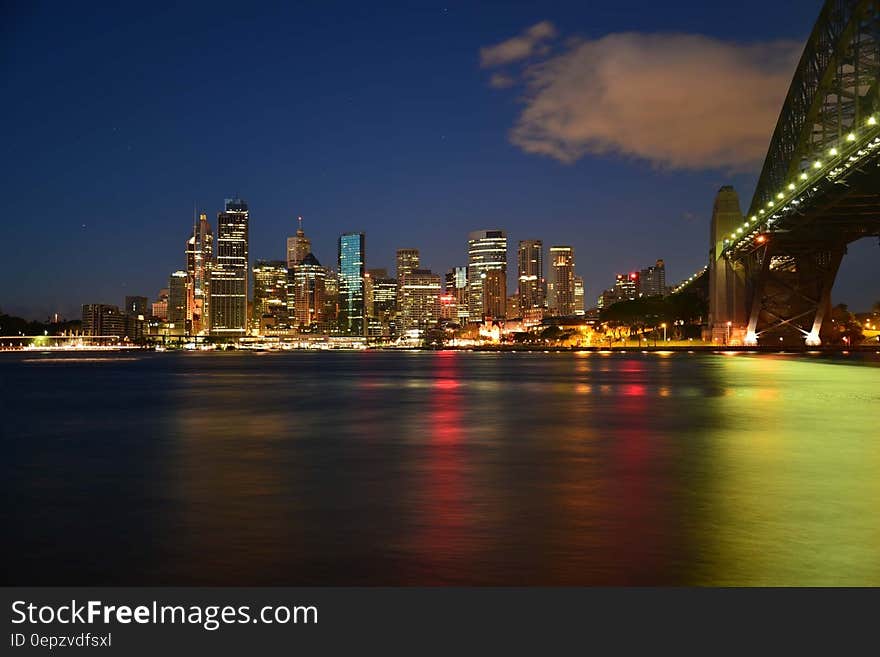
<point x="739" y="230"/>
<point x="769" y="204"/>
<point x="754" y="218"/>
<point x="761" y="211"/>
<point x="872" y="120"/>
<point x="760" y="239"/>
<point x="817" y="164"/>
<point x="804" y="175"/>
<point x="791" y="186"/>
<point x="851" y="136"/>
<point x="832" y="152"/>
<point x="780" y="195"/>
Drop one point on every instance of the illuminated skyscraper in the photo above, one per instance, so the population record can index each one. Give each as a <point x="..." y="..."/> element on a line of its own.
<point x="530" y="258"/>
<point x="652" y="280"/>
<point x="384" y="301"/>
<point x="560" y="287"/>
<point x="420" y="299"/>
<point x="199" y="261"/>
<point x="487" y="274"/>
<point x="407" y="260"/>
<point x="308" y="304"/>
<point x="626" y="286"/>
<point x="352" y="309"/>
<point x="457" y="285"/>
<point x="331" y="299"/>
<point x="579" y="307"/>
<point x="298" y="246"/>
<point x="229" y="278"/>
<point x="177" y="300"/>
<point x="270" y="293"/>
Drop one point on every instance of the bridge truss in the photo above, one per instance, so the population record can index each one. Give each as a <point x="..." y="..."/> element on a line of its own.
<point x="819" y="188"/>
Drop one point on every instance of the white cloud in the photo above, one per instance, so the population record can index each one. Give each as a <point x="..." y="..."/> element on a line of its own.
<point x="501" y="81"/>
<point x="527" y="44"/>
<point x="675" y="100"/>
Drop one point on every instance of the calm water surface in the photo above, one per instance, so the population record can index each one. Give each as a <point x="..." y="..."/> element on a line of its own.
<point x="441" y="468"/>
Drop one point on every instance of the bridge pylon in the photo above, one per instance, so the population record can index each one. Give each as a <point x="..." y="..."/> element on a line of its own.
<point x="727" y="278"/>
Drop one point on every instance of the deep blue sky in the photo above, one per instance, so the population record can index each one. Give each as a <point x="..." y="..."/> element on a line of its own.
<point x="361" y="116"/>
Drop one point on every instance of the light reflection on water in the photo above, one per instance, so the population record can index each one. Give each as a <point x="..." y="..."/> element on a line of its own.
<point x="443" y="468"/>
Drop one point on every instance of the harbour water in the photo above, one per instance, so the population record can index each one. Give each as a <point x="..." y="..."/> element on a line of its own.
<point x="432" y="468"/>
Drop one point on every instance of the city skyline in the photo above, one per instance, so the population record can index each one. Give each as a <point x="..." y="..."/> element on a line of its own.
<point x="398" y="159"/>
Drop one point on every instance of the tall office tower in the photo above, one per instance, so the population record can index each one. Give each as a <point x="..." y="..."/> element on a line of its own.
<point x="137" y="306"/>
<point x="352" y="309"/>
<point x="652" y="280"/>
<point x="308" y="300"/>
<point x="102" y="319"/>
<point x="530" y="258"/>
<point x="420" y="300"/>
<point x="457" y="285"/>
<point x="487" y="275"/>
<point x="229" y="278"/>
<point x="407" y="260"/>
<point x="199" y="260"/>
<point x="270" y="293"/>
<point x="560" y="287"/>
<point x="177" y="300"/>
<point x="368" y="295"/>
<point x="331" y="299"/>
<point x="298" y="246"/>
<point x="579" y="307"/>
<point x="384" y="299"/>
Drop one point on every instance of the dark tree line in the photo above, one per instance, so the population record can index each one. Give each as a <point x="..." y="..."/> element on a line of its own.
<point x="10" y="325"/>
<point x="678" y="312"/>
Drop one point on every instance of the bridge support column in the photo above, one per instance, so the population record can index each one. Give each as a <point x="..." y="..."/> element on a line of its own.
<point x="789" y="292"/>
<point x="826" y="282"/>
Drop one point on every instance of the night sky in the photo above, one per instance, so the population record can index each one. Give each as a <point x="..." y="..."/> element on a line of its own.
<point x="607" y="128"/>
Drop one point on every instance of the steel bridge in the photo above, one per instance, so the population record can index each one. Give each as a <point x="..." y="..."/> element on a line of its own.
<point x="771" y="270"/>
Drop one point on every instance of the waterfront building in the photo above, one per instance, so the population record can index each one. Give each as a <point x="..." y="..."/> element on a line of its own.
<point x="177" y="300"/>
<point x="199" y="261"/>
<point x="530" y="261"/>
<point x="229" y="278"/>
<point x="102" y="319"/>
<point x="652" y="280"/>
<point x="487" y="275"/>
<point x="270" y="292"/>
<point x="308" y="305"/>
<point x="420" y="299"/>
<point x="298" y="246"/>
<point x="560" y="287"/>
<point x="352" y="306"/>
